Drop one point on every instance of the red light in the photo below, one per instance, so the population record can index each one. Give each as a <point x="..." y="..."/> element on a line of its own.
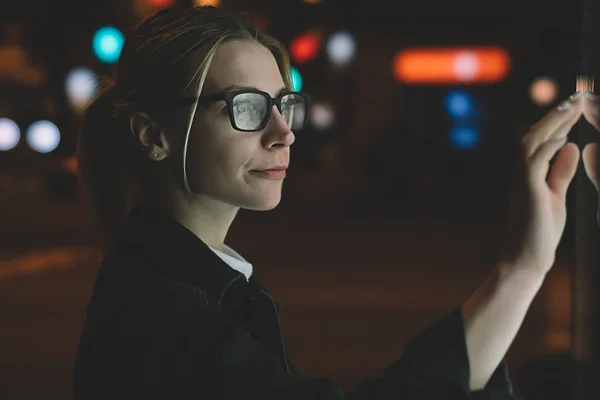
<point x="161" y="3"/>
<point x="304" y="48"/>
<point x="259" y="22"/>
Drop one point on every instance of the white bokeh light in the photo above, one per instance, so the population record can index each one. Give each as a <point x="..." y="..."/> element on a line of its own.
<point x="341" y="47"/>
<point x="43" y="136"/>
<point x="465" y="66"/>
<point x="10" y="134"/>
<point x="321" y="116"/>
<point x="543" y="91"/>
<point x="81" y="85"/>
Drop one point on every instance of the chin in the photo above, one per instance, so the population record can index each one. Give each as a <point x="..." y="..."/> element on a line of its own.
<point x="261" y="208"/>
<point x="264" y="203"/>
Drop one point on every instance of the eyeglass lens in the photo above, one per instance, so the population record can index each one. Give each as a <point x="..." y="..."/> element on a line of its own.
<point x="251" y="109"/>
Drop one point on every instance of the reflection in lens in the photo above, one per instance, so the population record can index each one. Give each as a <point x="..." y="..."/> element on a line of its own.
<point x="299" y="118"/>
<point x="288" y="115"/>
<point x="249" y="110"/>
<point x="293" y="109"/>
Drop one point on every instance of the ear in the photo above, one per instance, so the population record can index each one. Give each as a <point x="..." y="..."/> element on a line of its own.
<point x="152" y="140"/>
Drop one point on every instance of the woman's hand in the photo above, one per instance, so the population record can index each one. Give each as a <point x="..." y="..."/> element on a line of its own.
<point x="537" y="210"/>
<point x="591" y="109"/>
<point x="589" y="162"/>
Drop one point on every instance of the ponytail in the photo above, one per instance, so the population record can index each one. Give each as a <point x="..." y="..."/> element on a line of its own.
<point x="103" y="155"/>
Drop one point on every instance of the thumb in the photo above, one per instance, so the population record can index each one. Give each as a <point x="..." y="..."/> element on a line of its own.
<point x="590" y="163"/>
<point x="563" y="170"/>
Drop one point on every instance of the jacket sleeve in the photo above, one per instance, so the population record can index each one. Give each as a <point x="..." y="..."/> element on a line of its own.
<point x="439" y="355"/>
<point x="210" y="357"/>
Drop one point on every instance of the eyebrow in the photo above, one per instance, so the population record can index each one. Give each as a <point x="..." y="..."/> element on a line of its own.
<point x="228" y="89"/>
<point x="240" y="87"/>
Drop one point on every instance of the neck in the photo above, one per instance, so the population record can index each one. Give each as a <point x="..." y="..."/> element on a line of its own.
<point x="207" y="218"/>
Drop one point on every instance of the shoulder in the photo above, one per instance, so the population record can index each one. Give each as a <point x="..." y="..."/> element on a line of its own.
<point x="134" y="310"/>
<point x="144" y="328"/>
<point x="127" y="277"/>
<point x="140" y="295"/>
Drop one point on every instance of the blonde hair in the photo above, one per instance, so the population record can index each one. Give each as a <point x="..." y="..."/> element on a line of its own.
<point x="112" y="169"/>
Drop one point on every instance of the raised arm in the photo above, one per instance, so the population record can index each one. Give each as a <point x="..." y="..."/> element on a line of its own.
<point x="494" y="314"/>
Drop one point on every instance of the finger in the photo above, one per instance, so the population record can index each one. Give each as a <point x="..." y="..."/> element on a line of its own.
<point x="558" y="121"/>
<point x="590" y="163"/>
<point x="591" y="109"/>
<point x="539" y="163"/>
<point x="563" y="170"/>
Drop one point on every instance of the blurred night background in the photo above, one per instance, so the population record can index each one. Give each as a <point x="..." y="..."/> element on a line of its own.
<point x="395" y="205"/>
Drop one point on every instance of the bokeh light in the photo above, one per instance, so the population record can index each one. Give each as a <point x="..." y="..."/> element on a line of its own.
<point x="201" y="3"/>
<point x="305" y="47"/>
<point x="10" y="134"/>
<point x="107" y="44"/>
<point x="451" y="65"/>
<point x="341" y="47"/>
<point x="43" y="136"/>
<point x="161" y="3"/>
<point x="459" y="104"/>
<point x="296" y="80"/>
<point x="81" y="86"/>
<point x="321" y="116"/>
<point x="464" y="137"/>
<point x="543" y="91"/>
<point x="142" y="9"/>
<point x="70" y="164"/>
<point x="466" y="66"/>
<point x="259" y="21"/>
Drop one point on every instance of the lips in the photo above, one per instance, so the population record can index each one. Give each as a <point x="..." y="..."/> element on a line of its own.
<point x="274" y="168"/>
<point x="273" y="173"/>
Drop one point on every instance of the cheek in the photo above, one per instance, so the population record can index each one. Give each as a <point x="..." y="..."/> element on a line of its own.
<point x="220" y="154"/>
<point x="234" y="155"/>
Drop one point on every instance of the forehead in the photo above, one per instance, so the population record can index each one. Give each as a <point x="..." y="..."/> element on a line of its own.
<point x="244" y="64"/>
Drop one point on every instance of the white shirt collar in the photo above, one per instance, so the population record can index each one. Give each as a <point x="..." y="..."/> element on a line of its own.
<point x="234" y="260"/>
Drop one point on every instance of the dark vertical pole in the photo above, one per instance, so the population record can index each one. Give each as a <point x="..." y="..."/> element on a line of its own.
<point x="585" y="279"/>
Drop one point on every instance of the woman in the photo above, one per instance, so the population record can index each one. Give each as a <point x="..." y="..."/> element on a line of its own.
<point x="199" y="125"/>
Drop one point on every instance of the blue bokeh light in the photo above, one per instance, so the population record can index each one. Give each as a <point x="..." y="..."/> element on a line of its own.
<point x="464" y="137"/>
<point x="107" y="44"/>
<point x="296" y="80"/>
<point x="460" y="104"/>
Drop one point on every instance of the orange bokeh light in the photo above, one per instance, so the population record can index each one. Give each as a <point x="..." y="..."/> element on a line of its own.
<point x="451" y="65"/>
<point x="213" y="3"/>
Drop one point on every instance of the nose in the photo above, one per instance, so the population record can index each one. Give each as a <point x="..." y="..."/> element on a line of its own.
<point x="277" y="132"/>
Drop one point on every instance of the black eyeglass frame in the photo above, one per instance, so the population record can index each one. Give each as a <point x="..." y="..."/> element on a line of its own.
<point x="271" y="101"/>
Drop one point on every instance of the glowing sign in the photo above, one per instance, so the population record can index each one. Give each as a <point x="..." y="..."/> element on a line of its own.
<point x="451" y="65"/>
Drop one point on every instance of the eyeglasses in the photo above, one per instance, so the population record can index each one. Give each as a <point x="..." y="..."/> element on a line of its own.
<point x="250" y="110"/>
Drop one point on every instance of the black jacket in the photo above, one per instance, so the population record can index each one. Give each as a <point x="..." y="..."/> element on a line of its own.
<point x="168" y="319"/>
